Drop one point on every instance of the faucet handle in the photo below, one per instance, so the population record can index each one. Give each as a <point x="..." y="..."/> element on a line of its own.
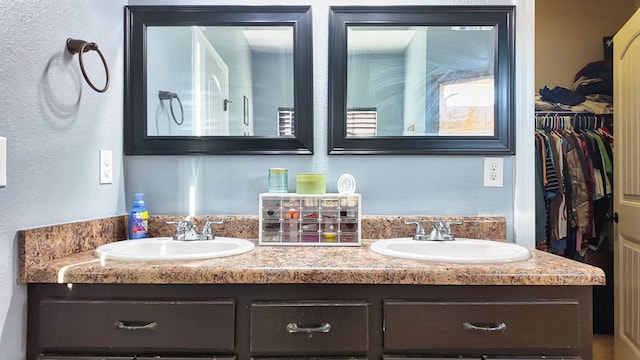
<point x="420" y="233"/>
<point x="183" y="228"/>
<point x="182" y="225"/>
<point x="440" y="225"/>
<point x="449" y="223"/>
<point x="207" y="230"/>
<point x="448" y="233"/>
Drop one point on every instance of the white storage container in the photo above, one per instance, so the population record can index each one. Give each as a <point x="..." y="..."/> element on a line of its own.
<point x="310" y="219"/>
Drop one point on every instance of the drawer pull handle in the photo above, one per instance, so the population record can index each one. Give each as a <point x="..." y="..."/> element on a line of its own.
<point x="323" y="328"/>
<point x="491" y="328"/>
<point x="121" y="325"/>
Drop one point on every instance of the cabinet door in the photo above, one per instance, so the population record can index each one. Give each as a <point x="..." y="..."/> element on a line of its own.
<point x="307" y="328"/>
<point x="83" y="357"/>
<point x="485" y="358"/>
<point x="385" y="357"/>
<point x="47" y="357"/>
<point x="136" y="325"/>
<point x="478" y="326"/>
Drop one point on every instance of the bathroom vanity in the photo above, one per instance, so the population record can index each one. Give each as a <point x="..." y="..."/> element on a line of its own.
<point x="312" y="320"/>
<point x="282" y="302"/>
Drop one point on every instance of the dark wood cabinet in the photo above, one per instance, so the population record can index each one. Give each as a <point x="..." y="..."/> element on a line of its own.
<point x="310" y="327"/>
<point x="136" y="325"/>
<point x="287" y="321"/>
<point x="486" y="358"/>
<point x="482" y="325"/>
<point x="54" y="357"/>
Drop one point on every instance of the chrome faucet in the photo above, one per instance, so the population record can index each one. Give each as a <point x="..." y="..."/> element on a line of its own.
<point x="186" y="231"/>
<point x="420" y="233"/>
<point x="441" y="230"/>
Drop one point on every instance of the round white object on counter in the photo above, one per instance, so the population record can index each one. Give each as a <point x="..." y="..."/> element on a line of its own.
<point x="346" y="184"/>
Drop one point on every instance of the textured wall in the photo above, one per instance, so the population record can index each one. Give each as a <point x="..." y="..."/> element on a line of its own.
<point x="54" y="125"/>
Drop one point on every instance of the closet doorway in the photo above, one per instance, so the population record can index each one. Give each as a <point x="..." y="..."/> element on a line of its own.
<point x="569" y="35"/>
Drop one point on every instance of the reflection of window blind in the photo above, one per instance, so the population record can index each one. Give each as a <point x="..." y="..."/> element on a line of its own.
<point x="285" y="121"/>
<point x="362" y="121"/>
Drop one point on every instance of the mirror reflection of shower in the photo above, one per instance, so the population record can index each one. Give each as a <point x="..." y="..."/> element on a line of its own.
<point x="231" y="79"/>
<point x="421" y="80"/>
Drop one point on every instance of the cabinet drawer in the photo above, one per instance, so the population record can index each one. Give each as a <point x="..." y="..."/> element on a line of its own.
<point x="481" y="325"/>
<point x="84" y="357"/>
<point x="139" y="325"/>
<point x="541" y="357"/>
<point x="310" y="327"/>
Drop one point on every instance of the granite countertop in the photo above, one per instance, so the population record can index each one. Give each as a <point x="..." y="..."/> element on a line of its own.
<point x="293" y="265"/>
<point x="331" y="265"/>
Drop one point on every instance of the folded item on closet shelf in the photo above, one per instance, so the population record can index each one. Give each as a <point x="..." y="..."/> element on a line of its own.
<point x="601" y="98"/>
<point x="549" y="106"/>
<point x="561" y="95"/>
<point x="594" y="107"/>
<point x="594" y="78"/>
<point x="583" y="82"/>
<point x="595" y="104"/>
<point x="588" y="86"/>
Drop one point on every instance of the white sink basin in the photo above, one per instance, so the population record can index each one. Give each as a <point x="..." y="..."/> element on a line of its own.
<point x="459" y="251"/>
<point x="167" y="249"/>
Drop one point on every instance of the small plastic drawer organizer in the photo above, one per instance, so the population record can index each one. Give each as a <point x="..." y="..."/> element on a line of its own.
<point x="313" y="220"/>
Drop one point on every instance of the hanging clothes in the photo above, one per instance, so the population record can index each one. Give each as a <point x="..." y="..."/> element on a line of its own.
<point x="574" y="177"/>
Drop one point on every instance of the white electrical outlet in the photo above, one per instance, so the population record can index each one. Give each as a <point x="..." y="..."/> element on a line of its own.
<point x="106" y="167"/>
<point x="493" y="172"/>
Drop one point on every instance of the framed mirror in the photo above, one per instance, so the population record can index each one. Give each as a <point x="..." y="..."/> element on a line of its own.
<point x="218" y="80"/>
<point x="421" y="80"/>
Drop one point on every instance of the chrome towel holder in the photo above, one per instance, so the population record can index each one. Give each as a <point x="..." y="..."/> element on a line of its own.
<point x="168" y="95"/>
<point x="75" y="46"/>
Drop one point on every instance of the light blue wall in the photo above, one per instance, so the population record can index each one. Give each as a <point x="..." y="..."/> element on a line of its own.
<point x="172" y="67"/>
<point x="273" y="88"/>
<point x="54" y="125"/>
<point x="394" y="185"/>
<point x="378" y="81"/>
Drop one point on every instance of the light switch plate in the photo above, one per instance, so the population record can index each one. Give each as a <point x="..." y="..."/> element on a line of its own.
<point x="106" y="167"/>
<point x="3" y="162"/>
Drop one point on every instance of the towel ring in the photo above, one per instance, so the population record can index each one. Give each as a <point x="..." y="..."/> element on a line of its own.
<point x="168" y="95"/>
<point x="79" y="47"/>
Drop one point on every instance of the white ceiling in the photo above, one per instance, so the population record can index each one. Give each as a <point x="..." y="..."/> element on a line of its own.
<point x="378" y="40"/>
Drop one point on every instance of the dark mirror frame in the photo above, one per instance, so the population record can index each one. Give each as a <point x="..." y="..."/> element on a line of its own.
<point x="138" y="18"/>
<point x="502" y="143"/>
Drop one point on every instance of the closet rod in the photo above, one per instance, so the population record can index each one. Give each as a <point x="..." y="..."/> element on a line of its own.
<point x="570" y="113"/>
<point x="577" y="120"/>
